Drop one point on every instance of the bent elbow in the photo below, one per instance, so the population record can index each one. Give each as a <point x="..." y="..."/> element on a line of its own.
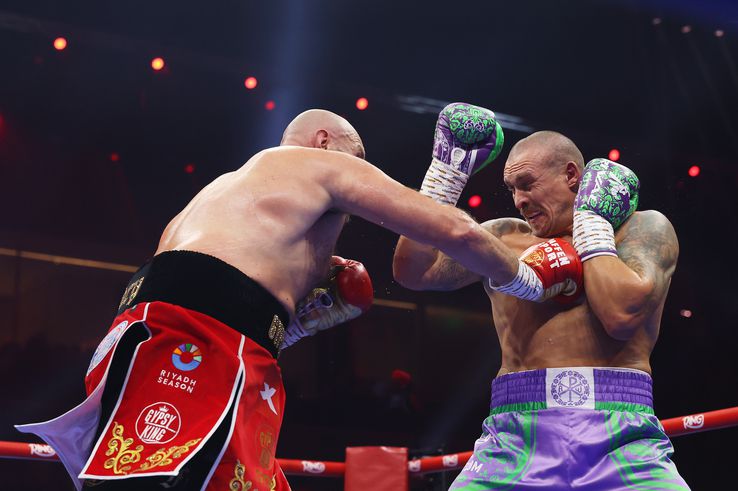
<point x="625" y="317"/>
<point x="406" y="273"/>
<point x="620" y="327"/>
<point x="401" y="275"/>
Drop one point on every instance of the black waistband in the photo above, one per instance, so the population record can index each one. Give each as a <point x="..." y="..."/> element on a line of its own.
<point x="213" y="287"/>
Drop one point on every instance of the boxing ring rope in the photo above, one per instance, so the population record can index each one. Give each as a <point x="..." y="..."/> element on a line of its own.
<point x="693" y="423"/>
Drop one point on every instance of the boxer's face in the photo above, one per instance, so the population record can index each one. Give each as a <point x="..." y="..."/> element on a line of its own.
<point x="541" y="192"/>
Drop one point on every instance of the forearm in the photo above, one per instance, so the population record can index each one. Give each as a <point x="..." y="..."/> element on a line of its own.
<point x="480" y="251"/>
<point x="617" y="295"/>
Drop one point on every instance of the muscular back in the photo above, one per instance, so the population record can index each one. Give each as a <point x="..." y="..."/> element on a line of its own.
<point x="270" y="219"/>
<point x="550" y="335"/>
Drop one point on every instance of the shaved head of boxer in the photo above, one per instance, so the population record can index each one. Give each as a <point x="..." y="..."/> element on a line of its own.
<point x="542" y="173"/>
<point x="318" y="128"/>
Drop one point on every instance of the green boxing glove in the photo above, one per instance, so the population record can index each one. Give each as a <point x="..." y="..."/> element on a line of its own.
<point x="608" y="195"/>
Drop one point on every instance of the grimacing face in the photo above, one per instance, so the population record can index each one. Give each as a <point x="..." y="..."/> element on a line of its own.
<point x="540" y="191"/>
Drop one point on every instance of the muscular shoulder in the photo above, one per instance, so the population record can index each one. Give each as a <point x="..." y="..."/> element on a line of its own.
<point x="500" y="227"/>
<point x="648" y="224"/>
<point x="283" y="157"/>
<point x="648" y="235"/>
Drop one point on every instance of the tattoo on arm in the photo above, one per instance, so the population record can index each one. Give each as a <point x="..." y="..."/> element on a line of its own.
<point x="447" y="274"/>
<point x="650" y="247"/>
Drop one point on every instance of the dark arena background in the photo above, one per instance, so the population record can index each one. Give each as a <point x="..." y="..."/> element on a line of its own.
<point x="113" y="115"/>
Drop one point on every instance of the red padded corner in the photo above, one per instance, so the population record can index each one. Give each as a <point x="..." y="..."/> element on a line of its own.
<point x="376" y="468"/>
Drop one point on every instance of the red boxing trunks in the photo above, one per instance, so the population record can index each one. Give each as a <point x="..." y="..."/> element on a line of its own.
<point x="184" y="392"/>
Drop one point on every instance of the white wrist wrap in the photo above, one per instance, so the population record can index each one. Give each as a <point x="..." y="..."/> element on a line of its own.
<point x="526" y="284"/>
<point x="443" y="183"/>
<point x="593" y="236"/>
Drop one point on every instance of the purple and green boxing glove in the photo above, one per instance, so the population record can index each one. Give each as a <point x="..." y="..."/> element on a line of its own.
<point x="607" y="196"/>
<point x="467" y="138"/>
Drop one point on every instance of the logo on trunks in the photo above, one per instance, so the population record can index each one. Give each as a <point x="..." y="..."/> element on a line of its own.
<point x="106" y="344"/>
<point x="694" y="422"/>
<point x="186" y="357"/>
<point x="130" y="293"/>
<point x="570" y="389"/>
<point x="41" y="450"/>
<point x="414" y="465"/>
<point x="158" y="423"/>
<point x="276" y="331"/>
<point x="177" y="380"/>
<point x="313" y="467"/>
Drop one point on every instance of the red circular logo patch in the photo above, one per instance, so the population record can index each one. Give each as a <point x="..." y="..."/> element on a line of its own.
<point x="158" y="423"/>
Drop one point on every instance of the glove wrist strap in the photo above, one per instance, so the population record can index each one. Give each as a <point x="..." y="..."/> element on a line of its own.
<point x="526" y="284"/>
<point x="593" y="235"/>
<point x="294" y="332"/>
<point x="443" y="183"/>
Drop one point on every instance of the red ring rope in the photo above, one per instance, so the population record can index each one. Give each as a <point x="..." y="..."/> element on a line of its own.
<point x="693" y="423"/>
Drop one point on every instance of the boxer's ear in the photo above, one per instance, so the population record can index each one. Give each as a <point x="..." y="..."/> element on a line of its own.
<point x="321" y="139"/>
<point x="573" y="174"/>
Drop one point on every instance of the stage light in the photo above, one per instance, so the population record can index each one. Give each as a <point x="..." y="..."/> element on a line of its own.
<point x="157" y="63"/>
<point x="362" y="103"/>
<point x="189" y="168"/>
<point x="401" y="377"/>
<point x="250" y="83"/>
<point x="614" y="155"/>
<point x="60" y="43"/>
<point x="270" y="105"/>
<point x="686" y="29"/>
<point x="475" y="201"/>
<point x="719" y="33"/>
<point x="685" y="313"/>
<point x="694" y="171"/>
<point x="114" y="157"/>
<point x="656" y="21"/>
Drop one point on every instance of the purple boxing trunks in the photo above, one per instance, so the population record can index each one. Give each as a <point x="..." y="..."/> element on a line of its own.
<point x="590" y="429"/>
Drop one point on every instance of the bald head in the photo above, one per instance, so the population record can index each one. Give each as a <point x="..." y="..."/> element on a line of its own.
<point x="556" y="147"/>
<point x="318" y="128"/>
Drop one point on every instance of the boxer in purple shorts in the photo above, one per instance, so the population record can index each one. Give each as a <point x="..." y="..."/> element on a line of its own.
<point x="577" y="296"/>
<point x="562" y="428"/>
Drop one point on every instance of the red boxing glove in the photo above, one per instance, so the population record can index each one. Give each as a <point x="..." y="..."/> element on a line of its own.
<point x="559" y="268"/>
<point x="347" y="294"/>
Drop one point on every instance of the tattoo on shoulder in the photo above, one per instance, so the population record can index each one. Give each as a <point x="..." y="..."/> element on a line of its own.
<point x="503" y="226"/>
<point x="649" y="244"/>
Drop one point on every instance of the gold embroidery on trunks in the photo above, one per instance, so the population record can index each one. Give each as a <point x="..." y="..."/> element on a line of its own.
<point x="276" y="331"/>
<point x="123" y="458"/>
<point x="161" y="457"/>
<point x="267" y="443"/>
<point x="130" y="293"/>
<point x="237" y="483"/>
<point x="118" y="445"/>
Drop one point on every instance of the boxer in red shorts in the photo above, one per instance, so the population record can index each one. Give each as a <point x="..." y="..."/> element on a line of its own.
<point x="185" y="391"/>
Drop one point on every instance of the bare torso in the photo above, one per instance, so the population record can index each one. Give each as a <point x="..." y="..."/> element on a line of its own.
<point x="534" y="335"/>
<point x="268" y="219"/>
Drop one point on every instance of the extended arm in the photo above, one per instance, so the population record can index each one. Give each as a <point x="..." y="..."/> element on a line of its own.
<point x="422" y="267"/>
<point x="624" y="290"/>
<point x="359" y="188"/>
